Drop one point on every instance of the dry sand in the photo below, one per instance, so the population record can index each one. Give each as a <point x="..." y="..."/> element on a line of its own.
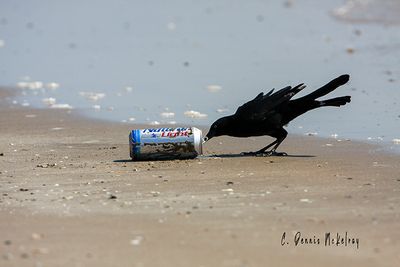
<point x="70" y="196"/>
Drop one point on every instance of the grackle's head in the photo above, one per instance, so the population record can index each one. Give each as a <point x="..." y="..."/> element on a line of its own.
<point x="218" y="128"/>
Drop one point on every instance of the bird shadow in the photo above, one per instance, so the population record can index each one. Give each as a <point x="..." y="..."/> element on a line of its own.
<point x="255" y="156"/>
<point x="122" y="160"/>
<point x="230" y="156"/>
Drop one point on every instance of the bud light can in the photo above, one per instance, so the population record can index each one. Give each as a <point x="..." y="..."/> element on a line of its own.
<point x="165" y="143"/>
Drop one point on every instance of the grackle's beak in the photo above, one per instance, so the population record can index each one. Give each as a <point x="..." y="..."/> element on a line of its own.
<point x="208" y="136"/>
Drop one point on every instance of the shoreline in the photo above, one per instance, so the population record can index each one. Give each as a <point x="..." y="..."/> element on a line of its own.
<point x="385" y="147"/>
<point x="70" y="195"/>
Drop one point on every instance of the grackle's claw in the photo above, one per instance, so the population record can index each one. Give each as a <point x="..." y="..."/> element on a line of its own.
<point x="264" y="154"/>
<point x="278" y="154"/>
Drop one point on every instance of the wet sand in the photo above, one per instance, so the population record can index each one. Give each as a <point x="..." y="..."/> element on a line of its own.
<point x="70" y="196"/>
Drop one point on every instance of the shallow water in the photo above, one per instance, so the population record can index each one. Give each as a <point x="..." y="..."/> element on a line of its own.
<point x="190" y="62"/>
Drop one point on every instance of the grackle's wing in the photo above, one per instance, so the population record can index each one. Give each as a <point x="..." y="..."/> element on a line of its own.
<point x="263" y="106"/>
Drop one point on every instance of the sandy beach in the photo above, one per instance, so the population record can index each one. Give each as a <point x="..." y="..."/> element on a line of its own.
<point x="70" y="196"/>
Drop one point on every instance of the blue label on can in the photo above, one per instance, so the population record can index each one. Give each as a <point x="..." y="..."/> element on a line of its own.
<point x="136" y="142"/>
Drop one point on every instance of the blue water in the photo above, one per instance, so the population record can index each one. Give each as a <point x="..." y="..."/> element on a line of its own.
<point x="169" y="52"/>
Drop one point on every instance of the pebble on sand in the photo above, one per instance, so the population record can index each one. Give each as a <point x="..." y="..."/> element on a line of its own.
<point x="38" y="251"/>
<point x="46" y="165"/>
<point x="24" y="255"/>
<point x="227" y="190"/>
<point x="137" y="240"/>
<point x="36" y="236"/>
<point x="155" y="193"/>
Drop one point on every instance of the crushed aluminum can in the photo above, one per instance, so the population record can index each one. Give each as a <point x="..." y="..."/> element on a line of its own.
<point x="165" y="143"/>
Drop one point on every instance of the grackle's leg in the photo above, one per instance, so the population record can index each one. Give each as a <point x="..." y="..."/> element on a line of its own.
<point x="280" y="135"/>
<point x="263" y="150"/>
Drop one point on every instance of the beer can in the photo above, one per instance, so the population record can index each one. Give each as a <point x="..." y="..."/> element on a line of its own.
<point x="165" y="143"/>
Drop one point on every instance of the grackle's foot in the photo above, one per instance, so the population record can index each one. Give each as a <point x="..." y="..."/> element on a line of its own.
<point x="248" y="153"/>
<point x="278" y="154"/>
<point x="264" y="154"/>
<point x="255" y="154"/>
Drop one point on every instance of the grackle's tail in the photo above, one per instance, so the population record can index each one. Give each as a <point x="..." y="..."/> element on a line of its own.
<point x="329" y="87"/>
<point x="335" y="102"/>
